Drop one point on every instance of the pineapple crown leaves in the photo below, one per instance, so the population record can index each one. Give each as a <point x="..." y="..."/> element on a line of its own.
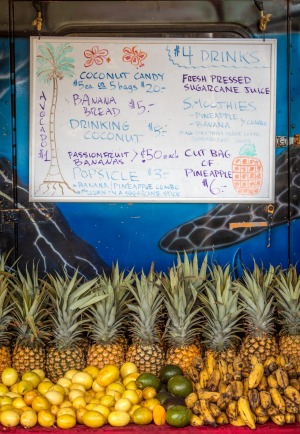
<point x="287" y="296"/>
<point x="30" y="309"/>
<point x="107" y="315"/>
<point x="6" y="307"/>
<point x="189" y="271"/>
<point x="147" y="308"/>
<point x="258" y="305"/>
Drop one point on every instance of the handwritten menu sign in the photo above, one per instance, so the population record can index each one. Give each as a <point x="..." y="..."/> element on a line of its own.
<point x="149" y="120"/>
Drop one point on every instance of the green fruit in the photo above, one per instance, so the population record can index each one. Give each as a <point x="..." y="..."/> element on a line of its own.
<point x="179" y="416"/>
<point x="180" y="386"/>
<point x="163" y="396"/>
<point x="147" y="380"/>
<point x="173" y="401"/>
<point x="168" y="371"/>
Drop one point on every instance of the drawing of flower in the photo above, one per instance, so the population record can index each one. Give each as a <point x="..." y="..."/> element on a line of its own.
<point x="95" y="55"/>
<point x="134" y="56"/>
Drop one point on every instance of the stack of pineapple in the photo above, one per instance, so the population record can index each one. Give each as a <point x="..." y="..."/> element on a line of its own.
<point x="196" y="316"/>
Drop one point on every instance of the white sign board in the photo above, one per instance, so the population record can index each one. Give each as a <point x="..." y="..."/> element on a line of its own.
<point x="152" y="120"/>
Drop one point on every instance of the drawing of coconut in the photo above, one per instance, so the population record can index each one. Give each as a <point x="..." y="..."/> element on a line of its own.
<point x="247" y="171"/>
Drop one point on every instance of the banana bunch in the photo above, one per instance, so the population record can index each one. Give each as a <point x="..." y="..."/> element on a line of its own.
<point x="233" y="393"/>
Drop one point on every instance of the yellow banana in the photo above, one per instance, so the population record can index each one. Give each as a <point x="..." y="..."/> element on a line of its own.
<point x="210" y="362"/>
<point x="223" y="368"/>
<point x="206" y="413"/>
<point x="214" y="409"/>
<point x="222" y="387"/>
<point x="290" y="418"/>
<point x="222" y="419"/>
<point x="246" y="385"/>
<point x="208" y="396"/>
<point x="281" y="361"/>
<point x="295" y="383"/>
<point x="292" y="374"/>
<point x="282" y="378"/>
<point x="279" y="419"/>
<point x="298" y="417"/>
<point x="238" y="389"/>
<point x="263" y="385"/>
<point x="191" y="399"/>
<point x="196" y="420"/>
<point x="192" y="373"/>
<point x="256" y="375"/>
<point x="223" y="401"/>
<point x="230" y="369"/>
<point x="213" y="380"/>
<point x="290" y="406"/>
<point x="262" y="419"/>
<point x="196" y="408"/>
<point x="270" y="363"/>
<point x="238" y="364"/>
<point x="272" y="410"/>
<point x="260" y="411"/>
<point x="229" y="390"/>
<point x="238" y="421"/>
<point x="203" y="378"/>
<point x="265" y="399"/>
<point x="238" y="375"/>
<point x="198" y="363"/>
<point x="231" y="410"/>
<point x="272" y="382"/>
<point x="277" y="399"/>
<point x="254" y="399"/>
<point x="245" y="412"/>
<point x="255" y="359"/>
<point x="293" y="394"/>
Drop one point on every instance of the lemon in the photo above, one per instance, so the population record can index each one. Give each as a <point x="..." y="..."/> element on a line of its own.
<point x="44" y="386"/>
<point x="116" y="386"/>
<point x="92" y="370"/>
<point x="18" y="402"/>
<point x="131" y="385"/>
<point x="66" y="421"/>
<point x="73" y="394"/>
<point x="79" y="402"/>
<point x="107" y="375"/>
<point x="45" y="418"/>
<point x="9" y="418"/>
<point x="149" y="392"/>
<point x="96" y="387"/>
<point x="79" y="415"/>
<point x="128" y="368"/>
<point x="69" y="374"/>
<point x="33" y="378"/>
<point x="3" y="389"/>
<point x="59" y="388"/>
<point x="130" y="377"/>
<point x="64" y="382"/>
<point x="24" y="386"/>
<point x="40" y="373"/>
<point x="28" y="419"/>
<point x="107" y="400"/>
<point x="118" y="418"/>
<point x="123" y="404"/>
<point x="40" y="403"/>
<point x="4" y="400"/>
<point x="66" y="410"/>
<point x="30" y="395"/>
<point x="9" y="376"/>
<point x="83" y="378"/>
<point x="150" y="403"/>
<point x="54" y="397"/>
<point x="93" y="419"/>
<point x="142" y="416"/>
<point x="132" y="396"/>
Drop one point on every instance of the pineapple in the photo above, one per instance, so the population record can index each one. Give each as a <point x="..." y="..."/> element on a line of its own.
<point x="188" y="271"/>
<point x="30" y="321"/>
<point x="107" y="320"/>
<point x="146" y="349"/>
<point x="221" y="314"/>
<point x="257" y="303"/>
<point x="182" y="327"/>
<point x="247" y="171"/>
<point x="71" y="298"/>
<point x="287" y="295"/>
<point x="5" y="313"/>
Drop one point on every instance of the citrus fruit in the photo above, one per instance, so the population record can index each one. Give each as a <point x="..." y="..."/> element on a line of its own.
<point x="32" y="377"/>
<point x="79" y="402"/>
<point x="83" y="378"/>
<point x="119" y="387"/>
<point x="130" y="377"/>
<point x="178" y="416"/>
<point x="3" y="389"/>
<point x="30" y="395"/>
<point x="142" y="416"/>
<point x="168" y="371"/>
<point x="180" y="386"/>
<point x="40" y="373"/>
<point x="147" y="380"/>
<point x="128" y="368"/>
<point x="149" y="392"/>
<point x="123" y="404"/>
<point x="45" y="418"/>
<point x="18" y="402"/>
<point x="132" y="396"/>
<point x="79" y="415"/>
<point x="28" y="419"/>
<point x="93" y="419"/>
<point x="118" y="418"/>
<point x="66" y="410"/>
<point x="150" y="403"/>
<point x="69" y="374"/>
<point x="107" y="375"/>
<point x="44" y="386"/>
<point x="9" y="376"/>
<point x="40" y="403"/>
<point x="54" y="397"/>
<point x="24" y="386"/>
<point x="66" y="421"/>
<point x="107" y="400"/>
<point x="92" y="370"/>
<point x="9" y="418"/>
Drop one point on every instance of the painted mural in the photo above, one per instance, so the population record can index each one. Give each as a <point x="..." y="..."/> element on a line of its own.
<point x="92" y="236"/>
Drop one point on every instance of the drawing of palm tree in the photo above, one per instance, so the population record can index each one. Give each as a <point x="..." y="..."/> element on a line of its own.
<point x="53" y="65"/>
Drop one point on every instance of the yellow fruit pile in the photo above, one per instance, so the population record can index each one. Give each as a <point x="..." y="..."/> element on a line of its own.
<point x="90" y="397"/>
<point x="232" y="393"/>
